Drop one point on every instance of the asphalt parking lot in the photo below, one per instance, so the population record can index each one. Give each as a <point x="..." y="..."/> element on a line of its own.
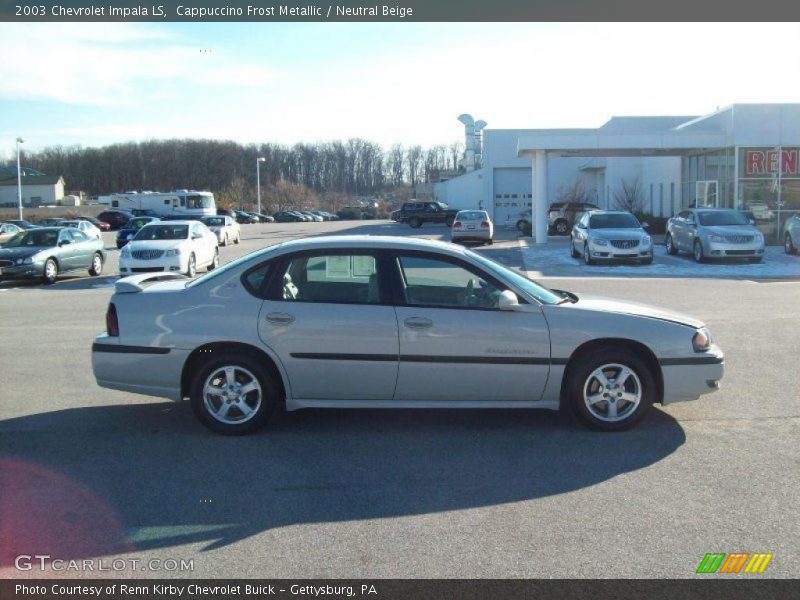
<point x="93" y="473"/>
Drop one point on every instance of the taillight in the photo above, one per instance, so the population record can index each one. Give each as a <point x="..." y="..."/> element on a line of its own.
<point x="112" y="325"/>
<point x="485" y="224"/>
<point x="457" y="224"/>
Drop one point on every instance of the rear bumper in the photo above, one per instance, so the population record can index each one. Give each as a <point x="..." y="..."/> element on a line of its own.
<point x="690" y="378"/>
<point x="471" y="234"/>
<point x="138" y="369"/>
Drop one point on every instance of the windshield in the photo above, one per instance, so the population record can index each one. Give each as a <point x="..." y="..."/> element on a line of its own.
<point x="214" y="221"/>
<point x="34" y="238"/>
<point x="613" y="221"/>
<point x="542" y="294"/>
<point x="722" y="217"/>
<point x="199" y="201"/>
<point x="162" y="232"/>
<point x="230" y="266"/>
<point x="472" y="215"/>
<point x="68" y="224"/>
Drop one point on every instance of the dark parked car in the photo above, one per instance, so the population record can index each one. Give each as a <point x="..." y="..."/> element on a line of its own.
<point x="226" y="212"/>
<point x="417" y="213"/>
<point x="287" y="216"/>
<point x="115" y="218"/>
<point x="144" y="212"/>
<point x="125" y="234"/>
<point x="44" y="252"/>
<point x="245" y="218"/>
<point x="101" y="225"/>
<point x="50" y="222"/>
<point x="22" y="223"/>
<point x="264" y="218"/>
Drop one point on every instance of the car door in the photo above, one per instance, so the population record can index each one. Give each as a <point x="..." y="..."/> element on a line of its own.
<point x="689" y="229"/>
<point x="199" y="244"/>
<point x="68" y="250"/>
<point x="329" y="318"/>
<point x="83" y="249"/>
<point x="678" y="229"/>
<point x="455" y="344"/>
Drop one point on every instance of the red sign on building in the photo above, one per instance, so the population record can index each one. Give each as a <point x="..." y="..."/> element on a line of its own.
<point x="764" y="163"/>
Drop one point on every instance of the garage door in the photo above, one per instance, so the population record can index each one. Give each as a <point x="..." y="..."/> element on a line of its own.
<point x="512" y="195"/>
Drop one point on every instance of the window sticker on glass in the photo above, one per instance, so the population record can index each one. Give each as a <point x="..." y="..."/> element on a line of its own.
<point x="363" y="266"/>
<point x="337" y="267"/>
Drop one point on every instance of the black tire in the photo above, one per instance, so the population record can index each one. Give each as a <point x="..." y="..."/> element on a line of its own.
<point x="647" y="261"/>
<point x="238" y="236"/>
<point x="96" y="269"/>
<point x="587" y="258"/>
<point x="224" y="240"/>
<point x="214" y="261"/>
<point x="489" y="242"/>
<point x="561" y="226"/>
<point x="697" y="253"/>
<point x="788" y="244"/>
<point x="670" y="244"/>
<point x="50" y="273"/>
<point x="269" y="397"/>
<point x="572" y="252"/>
<point x="191" y="266"/>
<point x="415" y="223"/>
<point x="521" y="224"/>
<point x="581" y="378"/>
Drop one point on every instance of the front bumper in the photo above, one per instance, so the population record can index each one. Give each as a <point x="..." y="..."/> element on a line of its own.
<point x="165" y="264"/>
<point x="610" y="252"/>
<point x="725" y="250"/>
<point x="31" y="271"/>
<point x="691" y="377"/>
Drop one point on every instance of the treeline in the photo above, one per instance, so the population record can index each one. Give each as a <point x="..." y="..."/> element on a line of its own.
<point x="355" y="167"/>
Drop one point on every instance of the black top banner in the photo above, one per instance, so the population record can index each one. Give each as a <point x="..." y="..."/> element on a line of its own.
<point x="399" y="11"/>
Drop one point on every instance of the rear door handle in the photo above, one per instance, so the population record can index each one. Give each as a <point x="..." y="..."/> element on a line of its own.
<point x="279" y="318"/>
<point x="418" y="323"/>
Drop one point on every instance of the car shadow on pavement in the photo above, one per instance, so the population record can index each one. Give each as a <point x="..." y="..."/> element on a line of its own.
<point x="99" y="481"/>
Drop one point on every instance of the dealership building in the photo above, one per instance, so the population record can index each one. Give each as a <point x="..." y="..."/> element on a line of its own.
<point x="744" y="156"/>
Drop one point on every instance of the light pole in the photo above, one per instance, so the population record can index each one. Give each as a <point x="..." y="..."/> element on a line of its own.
<point x="19" y="178"/>
<point x="259" y="160"/>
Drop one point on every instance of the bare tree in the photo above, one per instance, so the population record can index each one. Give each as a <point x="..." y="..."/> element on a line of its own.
<point x="414" y="162"/>
<point x="628" y="196"/>
<point x="576" y="192"/>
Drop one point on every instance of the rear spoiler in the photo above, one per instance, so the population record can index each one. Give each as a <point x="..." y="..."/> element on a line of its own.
<point x="133" y="284"/>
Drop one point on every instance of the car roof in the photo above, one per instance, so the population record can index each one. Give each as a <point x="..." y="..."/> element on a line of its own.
<point x="609" y="212"/>
<point x="371" y="241"/>
<point x="172" y="222"/>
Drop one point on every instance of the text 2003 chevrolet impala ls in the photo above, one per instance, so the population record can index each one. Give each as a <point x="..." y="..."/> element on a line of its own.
<point x="392" y="322"/>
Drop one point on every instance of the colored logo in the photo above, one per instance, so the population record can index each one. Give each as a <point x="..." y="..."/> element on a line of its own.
<point x="737" y="562"/>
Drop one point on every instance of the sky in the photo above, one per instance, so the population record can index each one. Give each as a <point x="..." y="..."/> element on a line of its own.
<point x="94" y="84"/>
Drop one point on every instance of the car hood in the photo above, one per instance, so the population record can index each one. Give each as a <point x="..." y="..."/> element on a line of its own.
<point x="11" y="253"/>
<point x="155" y="244"/>
<point x="623" y="307"/>
<point x="731" y="230"/>
<point x="626" y="233"/>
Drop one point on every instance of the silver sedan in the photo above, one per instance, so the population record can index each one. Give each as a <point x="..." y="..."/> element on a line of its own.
<point x="610" y="236"/>
<point x="366" y="322"/>
<point x="714" y="233"/>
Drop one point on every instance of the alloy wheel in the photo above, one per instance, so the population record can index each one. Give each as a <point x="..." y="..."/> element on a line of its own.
<point x="612" y="392"/>
<point x="232" y="395"/>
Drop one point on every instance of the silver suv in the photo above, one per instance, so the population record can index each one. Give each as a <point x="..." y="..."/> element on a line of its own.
<point x="714" y="233"/>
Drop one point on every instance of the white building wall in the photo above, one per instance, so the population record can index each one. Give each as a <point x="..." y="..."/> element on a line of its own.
<point x="48" y="194"/>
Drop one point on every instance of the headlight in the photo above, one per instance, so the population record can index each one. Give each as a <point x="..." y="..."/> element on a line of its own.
<point x="599" y="241"/>
<point x="646" y="240"/>
<point x="716" y="238"/>
<point x="759" y="237"/>
<point x="701" y="341"/>
<point x="126" y="251"/>
<point x="174" y="252"/>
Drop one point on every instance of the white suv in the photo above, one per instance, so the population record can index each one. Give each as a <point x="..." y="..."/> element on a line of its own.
<point x="172" y="246"/>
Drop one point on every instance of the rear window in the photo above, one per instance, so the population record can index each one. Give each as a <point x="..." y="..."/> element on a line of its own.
<point x="472" y="215"/>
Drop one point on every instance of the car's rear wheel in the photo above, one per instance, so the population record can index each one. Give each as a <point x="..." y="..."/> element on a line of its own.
<point x="699" y="255"/>
<point x="214" y="261"/>
<point x="415" y="223"/>
<point x="50" y="271"/>
<point x="97" y="265"/>
<point x="521" y="224"/>
<point x="611" y="389"/>
<point x="238" y="236"/>
<point x="671" y="249"/>
<point x="224" y="240"/>
<point x="562" y="227"/>
<point x="233" y="394"/>
<point x="788" y="244"/>
<point x="191" y="266"/>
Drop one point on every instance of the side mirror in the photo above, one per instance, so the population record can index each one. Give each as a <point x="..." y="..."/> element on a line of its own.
<point x="64" y="243"/>
<point x="196" y="236"/>
<point x="507" y="301"/>
<point x="645" y="225"/>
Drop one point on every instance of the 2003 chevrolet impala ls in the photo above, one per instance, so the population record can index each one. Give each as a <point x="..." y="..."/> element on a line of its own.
<point x="362" y="321"/>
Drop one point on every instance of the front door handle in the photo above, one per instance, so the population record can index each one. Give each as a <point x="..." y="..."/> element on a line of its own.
<point x="418" y="323"/>
<point x="279" y="318"/>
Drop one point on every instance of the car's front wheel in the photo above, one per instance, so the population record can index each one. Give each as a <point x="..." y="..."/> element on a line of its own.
<point x="97" y="265"/>
<point x="233" y="394"/>
<point x="415" y="223"/>
<point x="214" y="261"/>
<point x="191" y="266"/>
<point x="671" y="249"/>
<point x="587" y="256"/>
<point x="788" y="244"/>
<point x="572" y="252"/>
<point x="50" y="271"/>
<point x="611" y="389"/>
<point x="699" y="255"/>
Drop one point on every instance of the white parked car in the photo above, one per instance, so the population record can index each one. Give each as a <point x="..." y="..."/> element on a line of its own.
<point x="383" y="322"/>
<point x="85" y="226"/>
<point x="610" y="235"/>
<point x="170" y="246"/>
<point x="472" y="226"/>
<point x="225" y="228"/>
